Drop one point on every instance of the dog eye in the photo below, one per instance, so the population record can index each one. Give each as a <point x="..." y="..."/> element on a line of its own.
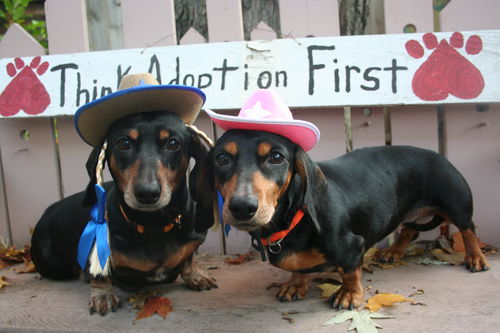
<point x="123" y="144"/>
<point x="172" y="144"/>
<point x="222" y="159"/>
<point x="276" y="157"/>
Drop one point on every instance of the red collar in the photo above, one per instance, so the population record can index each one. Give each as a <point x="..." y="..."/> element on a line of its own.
<point x="277" y="236"/>
<point x="140" y="227"/>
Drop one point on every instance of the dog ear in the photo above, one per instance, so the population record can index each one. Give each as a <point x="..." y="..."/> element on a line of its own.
<point x="90" y="198"/>
<point x="201" y="182"/>
<point x="311" y="181"/>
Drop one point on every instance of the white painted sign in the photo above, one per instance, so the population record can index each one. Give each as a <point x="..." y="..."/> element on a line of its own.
<point x="460" y="67"/>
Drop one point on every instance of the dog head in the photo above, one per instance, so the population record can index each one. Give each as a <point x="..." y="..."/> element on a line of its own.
<point x="261" y="176"/>
<point x="148" y="156"/>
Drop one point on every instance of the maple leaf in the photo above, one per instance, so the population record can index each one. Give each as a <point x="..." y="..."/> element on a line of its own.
<point x="157" y="304"/>
<point x="138" y="300"/>
<point x="328" y="289"/>
<point x="3" y="282"/>
<point x="385" y="299"/>
<point x="29" y="267"/>
<point x="361" y="321"/>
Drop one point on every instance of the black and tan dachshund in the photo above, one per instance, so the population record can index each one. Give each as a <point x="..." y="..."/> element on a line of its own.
<point x="152" y="219"/>
<point x="323" y="216"/>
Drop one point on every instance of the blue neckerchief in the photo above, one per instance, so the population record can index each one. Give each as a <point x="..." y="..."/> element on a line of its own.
<point x="96" y="229"/>
<point x="220" y="201"/>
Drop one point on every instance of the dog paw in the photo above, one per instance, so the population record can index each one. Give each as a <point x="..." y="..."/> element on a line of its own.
<point x="104" y="303"/>
<point x="290" y="291"/>
<point x="199" y="280"/>
<point x="476" y="263"/>
<point x="389" y="255"/>
<point x="346" y="299"/>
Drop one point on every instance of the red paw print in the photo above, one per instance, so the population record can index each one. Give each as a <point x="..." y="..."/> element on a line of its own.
<point x="446" y="71"/>
<point x="25" y="91"/>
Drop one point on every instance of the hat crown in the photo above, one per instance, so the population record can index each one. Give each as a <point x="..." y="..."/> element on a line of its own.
<point x="133" y="80"/>
<point x="265" y="104"/>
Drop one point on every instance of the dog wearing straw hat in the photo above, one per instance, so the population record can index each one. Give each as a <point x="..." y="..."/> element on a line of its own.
<point x="143" y="227"/>
<point x="313" y="217"/>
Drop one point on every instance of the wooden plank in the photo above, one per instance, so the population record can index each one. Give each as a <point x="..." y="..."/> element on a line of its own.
<point x="474" y="149"/>
<point x="263" y="32"/>
<point x="466" y="15"/>
<point x="230" y="28"/>
<point x="305" y="18"/>
<point x="66" y="32"/>
<point x="192" y="37"/>
<point x="30" y="172"/>
<point x="17" y="42"/>
<point x="400" y="13"/>
<point x="415" y="125"/>
<point x="307" y="72"/>
<point x="148" y="24"/>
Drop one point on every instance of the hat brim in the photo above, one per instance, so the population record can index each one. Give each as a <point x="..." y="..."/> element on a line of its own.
<point x="93" y="119"/>
<point x="301" y="132"/>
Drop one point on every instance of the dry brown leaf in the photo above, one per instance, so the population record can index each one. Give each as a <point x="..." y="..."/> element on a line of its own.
<point x="3" y="282"/>
<point x="29" y="267"/>
<point x="328" y="289"/>
<point x="138" y="300"/>
<point x="454" y="258"/>
<point x="384" y="299"/>
<point x="4" y="263"/>
<point x="158" y="304"/>
<point x="239" y="259"/>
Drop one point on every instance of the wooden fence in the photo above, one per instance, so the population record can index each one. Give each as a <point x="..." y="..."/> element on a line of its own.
<point x="42" y="158"/>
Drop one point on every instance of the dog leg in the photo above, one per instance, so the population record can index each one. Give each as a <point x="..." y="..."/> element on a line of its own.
<point x="475" y="261"/>
<point x="350" y="295"/>
<point x="296" y="288"/>
<point x="397" y="249"/>
<point x="102" y="298"/>
<point x="196" y="278"/>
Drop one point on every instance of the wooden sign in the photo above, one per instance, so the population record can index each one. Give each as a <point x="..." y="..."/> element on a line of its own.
<point x="440" y="68"/>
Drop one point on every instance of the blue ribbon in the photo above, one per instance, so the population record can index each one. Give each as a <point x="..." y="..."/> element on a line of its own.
<point x="96" y="230"/>
<point x="220" y="201"/>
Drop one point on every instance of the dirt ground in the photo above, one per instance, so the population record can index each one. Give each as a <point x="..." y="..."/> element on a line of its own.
<point x="454" y="300"/>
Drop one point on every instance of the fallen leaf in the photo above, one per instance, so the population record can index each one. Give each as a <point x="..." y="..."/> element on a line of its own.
<point x="3" y="282"/>
<point x="158" y="304"/>
<point x="239" y="259"/>
<point x="368" y="259"/>
<point x="137" y="301"/>
<point x="4" y="264"/>
<point x="454" y="258"/>
<point x="29" y="267"/>
<point x="418" y="292"/>
<point x="328" y="289"/>
<point x="360" y="320"/>
<point x="429" y="261"/>
<point x="384" y="299"/>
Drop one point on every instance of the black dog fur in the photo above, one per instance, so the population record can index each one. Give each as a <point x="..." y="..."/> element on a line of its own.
<point x="350" y="204"/>
<point x="148" y="155"/>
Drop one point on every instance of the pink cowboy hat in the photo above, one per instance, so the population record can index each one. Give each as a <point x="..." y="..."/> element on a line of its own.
<point x="265" y="111"/>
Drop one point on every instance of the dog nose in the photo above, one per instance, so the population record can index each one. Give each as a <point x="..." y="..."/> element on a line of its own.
<point x="147" y="193"/>
<point x="243" y="207"/>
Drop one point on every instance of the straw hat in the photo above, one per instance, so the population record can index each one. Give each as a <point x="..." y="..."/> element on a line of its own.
<point x="264" y="110"/>
<point x="137" y="93"/>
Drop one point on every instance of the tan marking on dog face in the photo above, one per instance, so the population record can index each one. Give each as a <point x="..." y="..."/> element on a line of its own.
<point x="164" y="134"/>
<point x="264" y="149"/>
<point x="181" y="254"/>
<point x="133" y="134"/>
<point x="302" y="260"/>
<point x="124" y="178"/>
<point x="231" y="148"/>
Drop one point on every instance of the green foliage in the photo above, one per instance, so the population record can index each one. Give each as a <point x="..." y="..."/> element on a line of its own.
<point x="15" y="12"/>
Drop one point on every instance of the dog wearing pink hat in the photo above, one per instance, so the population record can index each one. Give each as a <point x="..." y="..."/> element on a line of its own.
<point x="313" y="217"/>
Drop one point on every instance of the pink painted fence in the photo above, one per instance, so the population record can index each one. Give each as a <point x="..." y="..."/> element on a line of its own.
<point x="38" y="167"/>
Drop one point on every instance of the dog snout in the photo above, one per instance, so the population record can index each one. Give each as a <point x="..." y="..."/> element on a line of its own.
<point x="243" y="208"/>
<point x="147" y="193"/>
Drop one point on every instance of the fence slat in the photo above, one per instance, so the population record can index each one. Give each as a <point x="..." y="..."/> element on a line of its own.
<point x="263" y="32"/>
<point x="17" y="42"/>
<point x="399" y="13"/>
<point x="148" y="24"/>
<point x="461" y="15"/>
<point x="67" y="26"/>
<point x="192" y="37"/>
<point x="303" y="18"/>
<point x="30" y="172"/>
<point x="225" y="20"/>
